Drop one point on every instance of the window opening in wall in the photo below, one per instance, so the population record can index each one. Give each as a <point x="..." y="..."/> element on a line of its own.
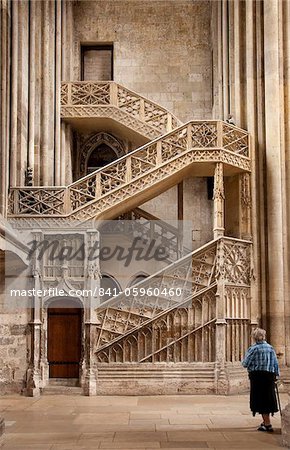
<point x="97" y="62"/>
<point x="111" y="287"/>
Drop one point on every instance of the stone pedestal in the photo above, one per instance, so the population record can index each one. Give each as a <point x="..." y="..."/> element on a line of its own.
<point x="285" y="421"/>
<point x="2" y="425"/>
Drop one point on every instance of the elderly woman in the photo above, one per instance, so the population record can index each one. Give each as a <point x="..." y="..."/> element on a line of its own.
<point x="262" y="365"/>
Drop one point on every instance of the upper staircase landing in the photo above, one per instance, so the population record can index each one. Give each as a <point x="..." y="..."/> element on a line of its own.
<point x="84" y="101"/>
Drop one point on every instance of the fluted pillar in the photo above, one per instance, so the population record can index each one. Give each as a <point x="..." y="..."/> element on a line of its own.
<point x="275" y="177"/>
<point x="14" y="82"/>
<point x="57" y="137"/>
<point x="31" y="109"/>
<point x="45" y="95"/>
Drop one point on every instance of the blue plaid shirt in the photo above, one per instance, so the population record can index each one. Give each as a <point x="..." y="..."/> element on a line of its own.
<point x="261" y="356"/>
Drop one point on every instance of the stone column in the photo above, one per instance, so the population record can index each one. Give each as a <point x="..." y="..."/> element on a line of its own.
<point x="31" y="100"/>
<point x="275" y="177"/>
<point x="33" y="372"/>
<point x="219" y="200"/>
<point x="93" y="277"/>
<point x="14" y="76"/>
<point x="45" y="97"/>
<point x="58" y="51"/>
<point x="221" y="324"/>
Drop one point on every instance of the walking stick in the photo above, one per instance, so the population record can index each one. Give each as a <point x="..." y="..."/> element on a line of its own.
<point x="278" y="397"/>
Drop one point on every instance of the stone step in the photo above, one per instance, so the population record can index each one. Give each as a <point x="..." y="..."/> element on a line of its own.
<point x="74" y="382"/>
<point x="62" y="390"/>
<point x="58" y="389"/>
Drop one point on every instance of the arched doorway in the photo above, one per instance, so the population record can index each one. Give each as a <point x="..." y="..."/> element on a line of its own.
<point x="64" y="337"/>
<point x="100" y="157"/>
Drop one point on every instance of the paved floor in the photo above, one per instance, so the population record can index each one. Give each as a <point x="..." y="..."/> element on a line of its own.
<point x="166" y="422"/>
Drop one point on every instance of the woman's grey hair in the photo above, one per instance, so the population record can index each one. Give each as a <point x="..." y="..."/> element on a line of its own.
<point x="259" y="334"/>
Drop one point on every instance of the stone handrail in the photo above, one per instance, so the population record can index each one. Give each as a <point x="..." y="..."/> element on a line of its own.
<point x="101" y="191"/>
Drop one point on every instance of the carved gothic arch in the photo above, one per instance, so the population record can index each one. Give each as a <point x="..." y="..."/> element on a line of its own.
<point x="92" y="143"/>
<point x="108" y="281"/>
<point x="137" y="278"/>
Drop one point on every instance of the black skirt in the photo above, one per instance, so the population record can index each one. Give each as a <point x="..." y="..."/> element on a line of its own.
<point x="262" y="396"/>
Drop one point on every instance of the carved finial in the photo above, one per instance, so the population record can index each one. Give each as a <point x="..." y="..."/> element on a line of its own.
<point x="231" y="120"/>
<point x="29" y="176"/>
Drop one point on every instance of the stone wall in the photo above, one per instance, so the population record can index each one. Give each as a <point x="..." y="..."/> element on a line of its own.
<point x="162" y="49"/>
<point x="14" y="337"/>
<point x="13" y="351"/>
<point x="197" y="210"/>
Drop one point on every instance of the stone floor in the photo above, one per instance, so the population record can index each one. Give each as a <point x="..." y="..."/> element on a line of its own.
<point x="60" y="422"/>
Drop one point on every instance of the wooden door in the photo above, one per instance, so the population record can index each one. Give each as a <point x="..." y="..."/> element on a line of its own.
<point x="64" y="342"/>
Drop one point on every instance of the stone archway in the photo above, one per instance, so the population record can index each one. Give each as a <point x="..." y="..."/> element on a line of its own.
<point x="102" y="141"/>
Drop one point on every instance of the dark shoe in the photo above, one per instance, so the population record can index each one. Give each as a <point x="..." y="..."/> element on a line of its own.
<point x="264" y="427"/>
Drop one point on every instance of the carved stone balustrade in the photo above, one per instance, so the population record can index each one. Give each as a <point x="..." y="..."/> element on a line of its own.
<point x="215" y="285"/>
<point x="98" y="99"/>
<point x="140" y="175"/>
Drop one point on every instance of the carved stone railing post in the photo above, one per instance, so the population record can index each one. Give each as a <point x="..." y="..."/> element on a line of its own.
<point x="114" y="94"/>
<point x="159" y="153"/>
<point x="98" y="185"/>
<point x="128" y="169"/>
<point x="67" y="201"/>
<point x="69" y="88"/>
<point x="169" y="122"/>
<point x="219" y="125"/>
<point x="245" y="206"/>
<point x="189" y="136"/>
<point x="142" y="109"/>
<point x="219" y="200"/>
<point x="93" y="277"/>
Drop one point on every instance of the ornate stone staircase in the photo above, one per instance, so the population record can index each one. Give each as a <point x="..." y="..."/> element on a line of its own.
<point x="140" y="175"/>
<point x="206" y="325"/>
<point x="188" y="321"/>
